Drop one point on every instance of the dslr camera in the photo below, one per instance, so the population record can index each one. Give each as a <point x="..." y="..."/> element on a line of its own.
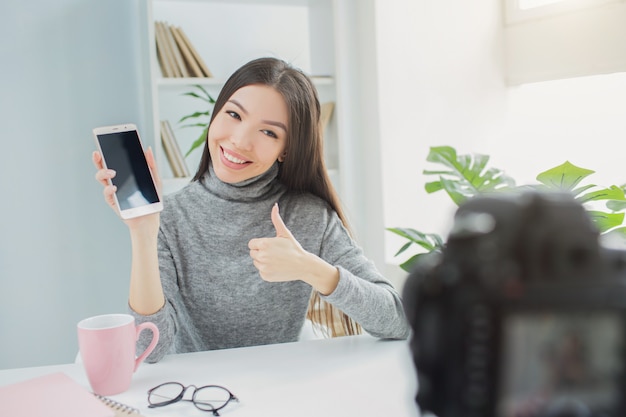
<point x="522" y="314"/>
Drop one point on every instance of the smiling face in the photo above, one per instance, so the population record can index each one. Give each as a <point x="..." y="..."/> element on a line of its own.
<point x="248" y="134"/>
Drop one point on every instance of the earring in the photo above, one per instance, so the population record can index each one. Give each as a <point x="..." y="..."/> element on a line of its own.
<point x="281" y="158"/>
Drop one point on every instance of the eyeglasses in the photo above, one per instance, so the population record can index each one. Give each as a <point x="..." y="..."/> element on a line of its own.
<point x="206" y="398"/>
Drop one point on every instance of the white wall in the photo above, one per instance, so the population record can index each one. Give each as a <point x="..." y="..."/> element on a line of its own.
<point x="441" y="83"/>
<point x="446" y="70"/>
<point x="67" y="66"/>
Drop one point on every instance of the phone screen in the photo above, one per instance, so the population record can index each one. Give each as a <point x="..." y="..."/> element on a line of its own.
<point x="123" y="153"/>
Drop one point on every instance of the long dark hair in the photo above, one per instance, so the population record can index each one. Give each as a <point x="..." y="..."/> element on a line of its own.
<point x="303" y="168"/>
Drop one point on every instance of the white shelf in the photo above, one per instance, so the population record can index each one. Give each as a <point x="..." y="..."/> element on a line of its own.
<point x="302" y="34"/>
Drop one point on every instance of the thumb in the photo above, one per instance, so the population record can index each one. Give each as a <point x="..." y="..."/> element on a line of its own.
<point x="279" y="225"/>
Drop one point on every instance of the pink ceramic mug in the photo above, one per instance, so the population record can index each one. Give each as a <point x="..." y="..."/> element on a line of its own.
<point x="107" y="346"/>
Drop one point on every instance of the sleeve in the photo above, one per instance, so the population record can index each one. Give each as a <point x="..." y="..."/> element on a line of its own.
<point x="362" y="292"/>
<point x="166" y="318"/>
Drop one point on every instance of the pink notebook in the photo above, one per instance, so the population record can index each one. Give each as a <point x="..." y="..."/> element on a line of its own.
<point x="53" y="395"/>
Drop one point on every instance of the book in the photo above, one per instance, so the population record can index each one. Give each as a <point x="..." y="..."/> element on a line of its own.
<point x="168" y="152"/>
<point x="172" y="151"/>
<point x="166" y="141"/>
<point x="170" y="50"/>
<point x="195" y="54"/>
<point x="192" y="65"/>
<point x="160" y="52"/>
<point x="52" y="395"/>
<point x="178" y="154"/>
<point x="163" y="54"/>
<point x="176" y="52"/>
<point x="176" y="55"/>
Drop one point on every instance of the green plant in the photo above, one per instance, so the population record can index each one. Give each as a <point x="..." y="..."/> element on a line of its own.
<point x="466" y="176"/>
<point x="201" y="118"/>
<point x="567" y="177"/>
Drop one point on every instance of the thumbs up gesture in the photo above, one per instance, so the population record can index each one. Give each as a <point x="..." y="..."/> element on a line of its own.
<point x="282" y="258"/>
<point x="278" y="258"/>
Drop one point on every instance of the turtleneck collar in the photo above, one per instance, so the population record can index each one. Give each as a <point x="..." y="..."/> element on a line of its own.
<point x="255" y="188"/>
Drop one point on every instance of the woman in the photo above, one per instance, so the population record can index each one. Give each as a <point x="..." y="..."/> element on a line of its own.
<point x="258" y="237"/>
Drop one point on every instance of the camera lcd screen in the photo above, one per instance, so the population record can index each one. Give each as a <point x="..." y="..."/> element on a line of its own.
<point x="556" y="361"/>
<point x="123" y="153"/>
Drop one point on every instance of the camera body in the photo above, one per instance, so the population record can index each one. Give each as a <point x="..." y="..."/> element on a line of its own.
<point x="522" y="314"/>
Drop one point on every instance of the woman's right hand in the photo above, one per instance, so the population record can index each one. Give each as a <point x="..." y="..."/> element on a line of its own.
<point x="104" y="176"/>
<point x="146" y="292"/>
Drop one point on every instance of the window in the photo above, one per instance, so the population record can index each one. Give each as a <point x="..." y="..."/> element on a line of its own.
<point x="522" y="10"/>
<point x="531" y="4"/>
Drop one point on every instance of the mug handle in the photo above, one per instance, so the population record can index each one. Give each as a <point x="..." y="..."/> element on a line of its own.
<point x="151" y="346"/>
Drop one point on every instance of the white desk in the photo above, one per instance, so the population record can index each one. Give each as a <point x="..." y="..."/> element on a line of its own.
<point x="349" y="376"/>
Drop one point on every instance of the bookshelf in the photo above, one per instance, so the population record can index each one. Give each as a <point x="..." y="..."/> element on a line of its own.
<point x="331" y="40"/>
<point x="226" y="34"/>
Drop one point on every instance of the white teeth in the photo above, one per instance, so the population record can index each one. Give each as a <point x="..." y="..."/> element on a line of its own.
<point x="232" y="158"/>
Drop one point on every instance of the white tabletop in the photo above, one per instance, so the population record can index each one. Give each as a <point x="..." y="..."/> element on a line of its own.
<point x="348" y="376"/>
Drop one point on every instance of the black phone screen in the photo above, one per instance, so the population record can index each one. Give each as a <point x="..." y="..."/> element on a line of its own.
<point x="123" y="153"/>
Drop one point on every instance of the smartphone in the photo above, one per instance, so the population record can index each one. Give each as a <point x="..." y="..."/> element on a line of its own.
<point x="122" y="151"/>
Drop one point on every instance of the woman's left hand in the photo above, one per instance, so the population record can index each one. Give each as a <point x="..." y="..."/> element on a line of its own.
<point x="282" y="258"/>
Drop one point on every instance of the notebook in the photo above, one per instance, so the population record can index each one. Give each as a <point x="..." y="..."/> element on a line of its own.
<point x="120" y="410"/>
<point x="53" y="395"/>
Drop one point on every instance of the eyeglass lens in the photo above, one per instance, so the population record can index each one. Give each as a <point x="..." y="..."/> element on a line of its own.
<point x="165" y="393"/>
<point x="211" y="398"/>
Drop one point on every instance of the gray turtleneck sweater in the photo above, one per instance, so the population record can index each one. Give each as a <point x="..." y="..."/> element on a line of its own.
<point x="214" y="295"/>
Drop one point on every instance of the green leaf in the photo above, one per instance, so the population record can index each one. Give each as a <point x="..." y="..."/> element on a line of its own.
<point x="408" y="233"/>
<point x="606" y="221"/>
<point x="410" y="263"/>
<point x="434" y="186"/>
<point x="403" y="248"/>
<point x="611" y="193"/>
<point x="442" y="154"/>
<point x="582" y="189"/>
<point x="194" y="115"/>
<point x="205" y="96"/>
<point x="194" y="95"/>
<point x="208" y="96"/>
<point x="202" y="125"/>
<point x="467" y="175"/>
<point x="563" y="177"/>
<point x="494" y="180"/>
<point x="616" y="205"/>
<point x="428" y="241"/>
<point x="428" y="172"/>
<point x="458" y="192"/>
<point x="198" y="142"/>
